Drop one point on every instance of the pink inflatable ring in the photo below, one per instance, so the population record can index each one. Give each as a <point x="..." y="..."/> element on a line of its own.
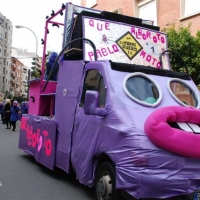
<point x="185" y="143"/>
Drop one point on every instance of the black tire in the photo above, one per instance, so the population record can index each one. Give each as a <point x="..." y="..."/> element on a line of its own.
<point x="105" y="183"/>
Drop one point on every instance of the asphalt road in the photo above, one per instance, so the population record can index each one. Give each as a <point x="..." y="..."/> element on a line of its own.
<point x="22" y="178"/>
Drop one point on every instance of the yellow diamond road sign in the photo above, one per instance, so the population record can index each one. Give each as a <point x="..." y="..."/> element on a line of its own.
<point x="129" y="45"/>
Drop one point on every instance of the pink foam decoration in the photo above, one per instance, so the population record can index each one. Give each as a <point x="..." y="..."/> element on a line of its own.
<point x="174" y="140"/>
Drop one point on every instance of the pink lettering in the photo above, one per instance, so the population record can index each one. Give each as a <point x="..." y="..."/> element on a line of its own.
<point x="148" y="34"/>
<point x="140" y="32"/>
<point x="45" y="133"/>
<point x="148" y="58"/>
<point x="115" y="48"/>
<point x="143" y="53"/>
<point x="34" y="139"/>
<point x="133" y="30"/>
<point x="98" y="53"/>
<point x="104" y="51"/>
<point x="48" y="148"/>
<point x="23" y="123"/>
<point x="107" y="25"/>
<point x="153" y="61"/>
<point x="162" y="39"/>
<point x="155" y="39"/>
<point x="99" y="28"/>
<point x="90" y="54"/>
<point x="39" y="143"/>
<point x="158" y="65"/>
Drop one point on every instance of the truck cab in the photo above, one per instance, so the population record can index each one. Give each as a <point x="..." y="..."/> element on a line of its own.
<point x="117" y="115"/>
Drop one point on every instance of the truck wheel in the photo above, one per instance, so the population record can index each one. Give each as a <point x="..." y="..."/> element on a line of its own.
<point x="105" y="182"/>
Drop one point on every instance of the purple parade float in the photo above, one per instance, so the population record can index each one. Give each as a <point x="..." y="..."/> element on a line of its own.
<point x="116" y="116"/>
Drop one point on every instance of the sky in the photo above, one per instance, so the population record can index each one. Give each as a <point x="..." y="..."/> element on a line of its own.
<point x="32" y="14"/>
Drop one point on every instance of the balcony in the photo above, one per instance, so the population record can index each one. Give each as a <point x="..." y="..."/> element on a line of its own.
<point x="12" y="81"/>
<point x="13" y="73"/>
<point x="24" y="78"/>
<point x="12" y="89"/>
<point x="13" y="67"/>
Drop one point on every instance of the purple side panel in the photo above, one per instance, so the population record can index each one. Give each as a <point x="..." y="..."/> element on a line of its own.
<point x="68" y="88"/>
<point x="38" y="137"/>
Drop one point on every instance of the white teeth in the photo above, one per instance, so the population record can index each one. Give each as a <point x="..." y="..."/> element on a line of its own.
<point x="189" y="127"/>
<point x="184" y="126"/>
<point x="194" y="127"/>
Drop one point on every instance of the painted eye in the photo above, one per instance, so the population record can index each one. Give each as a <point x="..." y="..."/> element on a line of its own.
<point x="142" y="89"/>
<point x="183" y="93"/>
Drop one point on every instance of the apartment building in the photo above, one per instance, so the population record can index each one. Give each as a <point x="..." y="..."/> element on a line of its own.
<point x="14" y="63"/>
<point x="5" y="54"/>
<point x="16" y="77"/>
<point x="163" y="13"/>
<point x="26" y="59"/>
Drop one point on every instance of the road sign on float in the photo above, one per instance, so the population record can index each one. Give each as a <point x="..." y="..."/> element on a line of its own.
<point x="129" y="45"/>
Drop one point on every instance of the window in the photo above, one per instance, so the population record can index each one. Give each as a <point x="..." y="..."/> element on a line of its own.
<point x="189" y="8"/>
<point x="142" y="89"/>
<point x="94" y="81"/>
<point x="146" y="10"/>
<point x="183" y="93"/>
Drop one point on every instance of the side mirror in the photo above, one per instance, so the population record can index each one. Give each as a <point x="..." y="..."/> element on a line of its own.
<point x="91" y="104"/>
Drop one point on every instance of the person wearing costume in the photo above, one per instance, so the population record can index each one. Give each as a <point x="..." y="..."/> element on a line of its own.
<point x="14" y="115"/>
<point x="52" y="58"/>
<point x="24" y="108"/>
<point x="7" y="113"/>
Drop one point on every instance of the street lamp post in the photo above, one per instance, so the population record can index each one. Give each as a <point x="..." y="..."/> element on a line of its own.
<point x="19" y="26"/>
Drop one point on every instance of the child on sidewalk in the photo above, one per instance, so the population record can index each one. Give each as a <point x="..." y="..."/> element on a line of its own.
<point x="14" y="115"/>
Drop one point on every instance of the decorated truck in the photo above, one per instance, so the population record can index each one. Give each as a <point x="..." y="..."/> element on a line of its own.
<point x="116" y="115"/>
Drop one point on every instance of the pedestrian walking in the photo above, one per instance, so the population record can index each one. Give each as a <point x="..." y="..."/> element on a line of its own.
<point x="14" y="115"/>
<point x="7" y="113"/>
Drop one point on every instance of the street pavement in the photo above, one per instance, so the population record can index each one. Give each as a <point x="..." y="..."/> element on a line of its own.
<point x="22" y="178"/>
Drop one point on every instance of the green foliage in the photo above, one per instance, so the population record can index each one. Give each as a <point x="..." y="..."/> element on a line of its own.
<point x="188" y="47"/>
<point x="35" y="74"/>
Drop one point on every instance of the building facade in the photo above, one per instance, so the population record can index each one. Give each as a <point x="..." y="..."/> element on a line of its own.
<point x="5" y="54"/>
<point x="16" y="77"/>
<point x="26" y="59"/>
<point x="163" y="13"/>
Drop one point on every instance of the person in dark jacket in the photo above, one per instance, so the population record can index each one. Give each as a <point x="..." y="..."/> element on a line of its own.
<point x="52" y="58"/>
<point x="1" y="110"/>
<point x="7" y="113"/>
<point x="14" y="115"/>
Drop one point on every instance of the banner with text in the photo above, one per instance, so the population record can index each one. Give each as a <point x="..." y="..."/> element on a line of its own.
<point x="124" y="43"/>
<point x="38" y="137"/>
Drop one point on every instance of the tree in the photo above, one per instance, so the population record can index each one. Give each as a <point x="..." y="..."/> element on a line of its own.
<point x="188" y="47"/>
